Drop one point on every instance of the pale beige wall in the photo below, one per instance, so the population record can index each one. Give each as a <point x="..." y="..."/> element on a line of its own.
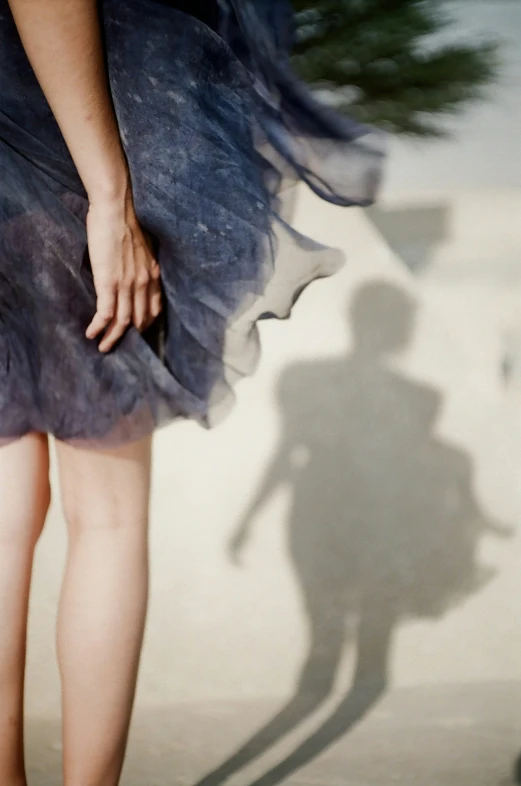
<point x="404" y="427"/>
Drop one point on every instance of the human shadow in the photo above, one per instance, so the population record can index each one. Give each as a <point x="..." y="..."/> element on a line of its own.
<point x="384" y="523"/>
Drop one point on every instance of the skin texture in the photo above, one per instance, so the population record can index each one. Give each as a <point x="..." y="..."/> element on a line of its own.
<point x="25" y="493"/>
<point x="103" y="601"/>
<point x="103" y="604"/>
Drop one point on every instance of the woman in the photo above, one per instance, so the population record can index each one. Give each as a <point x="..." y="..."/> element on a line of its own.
<point x="144" y="146"/>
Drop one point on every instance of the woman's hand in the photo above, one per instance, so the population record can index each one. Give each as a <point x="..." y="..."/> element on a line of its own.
<point x="126" y="274"/>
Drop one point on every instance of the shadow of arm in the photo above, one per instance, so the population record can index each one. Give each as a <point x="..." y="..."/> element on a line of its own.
<point x="276" y="475"/>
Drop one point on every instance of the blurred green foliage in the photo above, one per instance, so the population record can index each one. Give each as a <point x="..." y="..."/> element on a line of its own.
<point x="381" y="60"/>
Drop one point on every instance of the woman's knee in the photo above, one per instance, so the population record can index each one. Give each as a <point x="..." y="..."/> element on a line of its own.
<point x="97" y="513"/>
<point x="105" y="490"/>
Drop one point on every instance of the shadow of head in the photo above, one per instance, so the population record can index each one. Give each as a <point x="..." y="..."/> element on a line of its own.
<point x="382" y="317"/>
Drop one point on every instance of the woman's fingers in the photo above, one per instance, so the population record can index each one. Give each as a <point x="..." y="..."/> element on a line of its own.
<point x="118" y="308"/>
<point x="140" y="306"/>
<point x="121" y="320"/>
<point x="155" y="300"/>
<point x="105" y="310"/>
<point x="147" y="292"/>
<point x="125" y="272"/>
<point x="137" y="301"/>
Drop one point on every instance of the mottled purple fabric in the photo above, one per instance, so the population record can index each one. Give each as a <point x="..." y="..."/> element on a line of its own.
<point x="212" y="122"/>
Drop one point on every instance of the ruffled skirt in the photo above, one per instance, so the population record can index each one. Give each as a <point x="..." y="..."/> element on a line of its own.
<point x="210" y="126"/>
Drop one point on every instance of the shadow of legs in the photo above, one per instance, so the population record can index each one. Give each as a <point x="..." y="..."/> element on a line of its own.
<point x="369" y="684"/>
<point x="314" y="687"/>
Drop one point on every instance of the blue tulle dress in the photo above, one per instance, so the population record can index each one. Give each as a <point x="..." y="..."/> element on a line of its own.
<point x="215" y="126"/>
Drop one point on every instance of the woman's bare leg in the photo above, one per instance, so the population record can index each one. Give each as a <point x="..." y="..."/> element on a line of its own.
<point x="25" y="497"/>
<point x="103" y="604"/>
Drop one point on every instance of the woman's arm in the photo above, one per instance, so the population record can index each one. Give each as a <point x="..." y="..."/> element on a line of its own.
<point x="62" y="39"/>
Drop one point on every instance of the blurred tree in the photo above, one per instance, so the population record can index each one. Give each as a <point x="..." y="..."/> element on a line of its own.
<point x="381" y="60"/>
